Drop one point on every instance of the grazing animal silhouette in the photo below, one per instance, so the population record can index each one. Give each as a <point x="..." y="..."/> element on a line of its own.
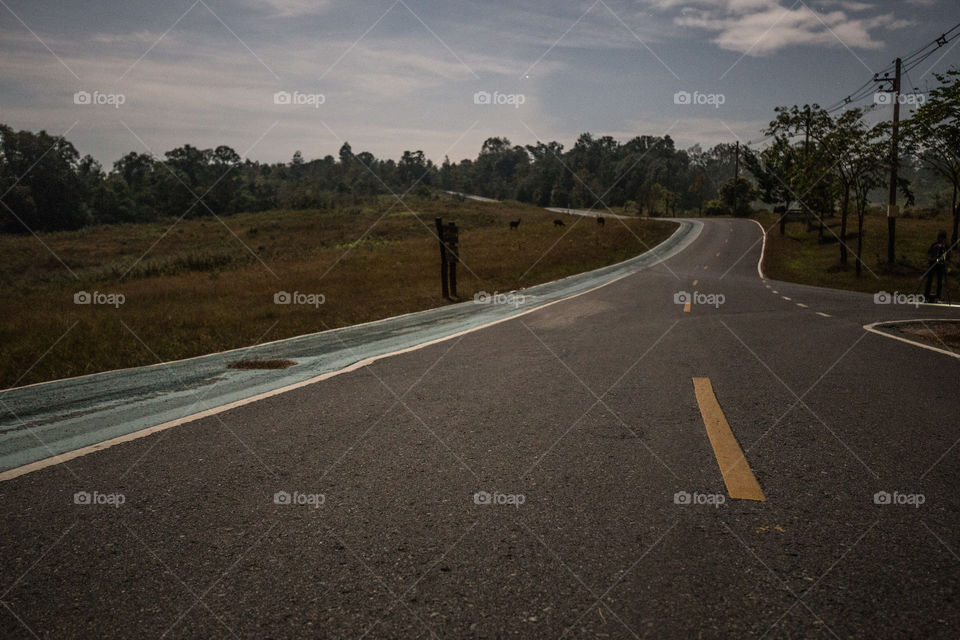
<point x="601" y="221"/>
<point x="514" y="224"/>
<point x="558" y="223"/>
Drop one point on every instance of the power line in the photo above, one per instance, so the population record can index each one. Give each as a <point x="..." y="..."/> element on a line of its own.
<point x="909" y="62"/>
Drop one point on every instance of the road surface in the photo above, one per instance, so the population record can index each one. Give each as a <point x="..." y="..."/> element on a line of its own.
<point x="556" y="474"/>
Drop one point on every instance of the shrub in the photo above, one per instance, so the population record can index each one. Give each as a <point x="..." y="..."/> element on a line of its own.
<point x="716" y="208"/>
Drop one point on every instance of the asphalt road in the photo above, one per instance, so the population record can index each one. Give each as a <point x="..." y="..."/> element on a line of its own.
<point x="582" y="422"/>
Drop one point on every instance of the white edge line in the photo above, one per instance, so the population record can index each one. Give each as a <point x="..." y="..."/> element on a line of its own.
<point x="142" y="433"/>
<point x="763" y="250"/>
<point x="872" y="328"/>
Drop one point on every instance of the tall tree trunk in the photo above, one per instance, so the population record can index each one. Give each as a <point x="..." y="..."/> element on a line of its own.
<point x="843" y="226"/>
<point x="956" y="216"/>
<point x="860" y="213"/>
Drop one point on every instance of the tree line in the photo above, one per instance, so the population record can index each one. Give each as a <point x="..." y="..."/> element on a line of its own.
<point x="821" y="162"/>
<point x="46" y="185"/>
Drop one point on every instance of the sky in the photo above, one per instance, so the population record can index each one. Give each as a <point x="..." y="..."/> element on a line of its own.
<point x="270" y="77"/>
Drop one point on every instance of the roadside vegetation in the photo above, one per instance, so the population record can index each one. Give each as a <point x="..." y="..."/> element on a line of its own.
<point x="829" y="168"/>
<point x="802" y="256"/>
<point x="205" y="285"/>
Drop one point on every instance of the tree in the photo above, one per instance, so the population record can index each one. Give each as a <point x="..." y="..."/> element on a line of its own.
<point x="776" y="170"/>
<point x="737" y="194"/>
<point x="871" y="156"/>
<point x="933" y="134"/>
<point x="40" y="183"/>
<point x="801" y="170"/>
<point x="697" y="189"/>
<point x="860" y="156"/>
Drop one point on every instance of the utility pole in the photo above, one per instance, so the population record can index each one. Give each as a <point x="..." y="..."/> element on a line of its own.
<point x="894" y="162"/>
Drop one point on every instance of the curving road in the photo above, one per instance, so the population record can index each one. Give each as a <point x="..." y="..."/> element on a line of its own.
<point x="557" y="473"/>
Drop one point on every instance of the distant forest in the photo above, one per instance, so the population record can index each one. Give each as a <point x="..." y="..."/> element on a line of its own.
<point x="46" y="185"/>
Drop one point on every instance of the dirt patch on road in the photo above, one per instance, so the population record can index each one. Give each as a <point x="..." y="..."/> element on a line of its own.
<point x="943" y="334"/>
<point x="261" y="364"/>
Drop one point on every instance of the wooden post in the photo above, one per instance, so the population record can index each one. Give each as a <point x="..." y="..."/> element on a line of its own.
<point x="443" y="259"/>
<point x="452" y="239"/>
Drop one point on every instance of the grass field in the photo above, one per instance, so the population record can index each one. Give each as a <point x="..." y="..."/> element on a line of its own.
<point x="198" y="287"/>
<point x="798" y="256"/>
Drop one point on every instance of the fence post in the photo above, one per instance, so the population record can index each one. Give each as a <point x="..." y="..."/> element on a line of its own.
<point x="443" y="259"/>
<point x="452" y="240"/>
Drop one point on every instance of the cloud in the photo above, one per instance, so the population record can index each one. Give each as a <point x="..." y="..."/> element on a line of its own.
<point x="760" y="27"/>
<point x="292" y="8"/>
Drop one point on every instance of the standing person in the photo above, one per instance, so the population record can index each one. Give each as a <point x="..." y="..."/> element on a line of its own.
<point x="937" y="265"/>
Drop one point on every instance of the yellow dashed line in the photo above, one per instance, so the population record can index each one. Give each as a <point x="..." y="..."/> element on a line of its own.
<point x="737" y="475"/>
<point x="695" y="282"/>
<point x="686" y="307"/>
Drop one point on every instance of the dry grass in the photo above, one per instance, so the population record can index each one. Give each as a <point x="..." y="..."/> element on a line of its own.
<point x="201" y="287"/>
